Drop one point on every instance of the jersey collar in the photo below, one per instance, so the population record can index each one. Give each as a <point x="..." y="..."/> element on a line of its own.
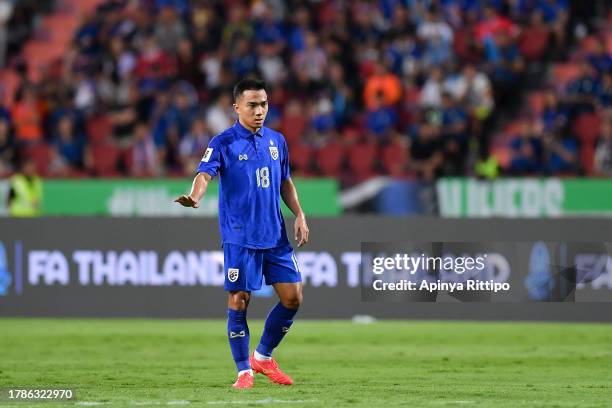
<point x="244" y="132"/>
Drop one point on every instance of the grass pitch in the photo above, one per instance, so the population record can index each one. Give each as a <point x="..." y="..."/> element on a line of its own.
<point x="112" y="363"/>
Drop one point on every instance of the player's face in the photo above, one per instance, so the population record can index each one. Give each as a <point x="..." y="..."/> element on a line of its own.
<point x="252" y="108"/>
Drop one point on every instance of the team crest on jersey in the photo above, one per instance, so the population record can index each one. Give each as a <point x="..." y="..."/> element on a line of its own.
<point x="274" y="152"/>
<point x="207" y="155"/>
<point x="232" y="274"/>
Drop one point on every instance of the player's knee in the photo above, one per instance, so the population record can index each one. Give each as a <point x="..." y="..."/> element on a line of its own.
<point x="238" y="300"/>
<point x="292" y="301"/>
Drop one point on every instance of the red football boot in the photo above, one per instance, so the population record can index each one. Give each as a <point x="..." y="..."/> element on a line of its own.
<point x="270" y="369"/>
<point x="244" y="381"/>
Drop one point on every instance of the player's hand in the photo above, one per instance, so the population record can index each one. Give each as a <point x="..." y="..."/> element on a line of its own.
<point x="187" y="201"/>
<point x="301" y="231"/>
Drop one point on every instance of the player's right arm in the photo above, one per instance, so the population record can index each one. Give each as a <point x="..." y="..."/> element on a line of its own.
<point x="207" y="169"/>
<point x="198" y="189"/>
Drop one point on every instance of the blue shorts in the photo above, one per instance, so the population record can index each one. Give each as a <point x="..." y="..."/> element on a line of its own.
<point x="245" y="267"/>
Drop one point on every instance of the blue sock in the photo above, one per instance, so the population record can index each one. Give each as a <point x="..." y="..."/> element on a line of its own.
<point x="278" y="322"/>
<point x="238" y="335"/>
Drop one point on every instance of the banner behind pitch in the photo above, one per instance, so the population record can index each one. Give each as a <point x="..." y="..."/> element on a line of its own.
<point x="174" y="267"/>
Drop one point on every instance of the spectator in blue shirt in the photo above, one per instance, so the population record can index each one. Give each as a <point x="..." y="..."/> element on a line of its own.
<point x="561" y="154"/>
<point x="68" y="144"/>
<point x="526" y="151"/>
<point x="381" y="119"/>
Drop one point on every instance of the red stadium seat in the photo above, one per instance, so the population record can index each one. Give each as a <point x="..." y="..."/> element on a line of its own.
<point x="590" y="44"/>
<point x="587" y="158"/>
<point x="99" y="129"/>
<point x="503" y="155"/>
<point x="564" y="73"/>
<point x="351" y="135"/>
<point x="533" y="42"/>
<point x="394" y="159"/>
<point x="330" y="159"/>
<point x="361" y="159"/>
<point x="301" y="156"/>
<point x="536" y="102"/>
<point x="40" y="153"/>
<point x="104" y="160"/>
<point x="587" y="128"/>
<point x="293" y="127"/>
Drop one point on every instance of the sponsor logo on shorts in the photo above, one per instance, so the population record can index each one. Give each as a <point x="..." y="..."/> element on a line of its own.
<point x="233" y="335"/>
<point x="232" y="274"/>
<point x="285" y="329"/>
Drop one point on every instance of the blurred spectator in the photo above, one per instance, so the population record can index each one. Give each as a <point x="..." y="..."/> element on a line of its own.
<point x="431" y="94"/>
<point x="242" y="58"/>
<point x="69" y="147"/>
<point x="438" y="38"/>
<point x="25" y="194"/>
<point x="434" y="29"/>
<point x="184" y="107"/>
<point x="506" y="66"/>
<point x="271" y="65"/>
<point x="144" y="154"/>
<point x="605" y="93"/>
<point x="237" y="26"/>
<point x="554" y="115"/>
<point x="187" y="64"/>
<point x="169" y="30"/>
<point x="556" y="16"/>
<point x="154" y="64"/>
<point x="454" y="120"/>
<point x="600" y="60"/>
<point x="474" y="89"/>
<point x="220" y="116"/>
<point x="27" y="119"/>
<point x="125" y="113"/>
<point x="534" y="38"/>
<point x="193" y="145"/>
<point x="426" y="156"/>
<point x="493" y="25"/>
<point x="381" y="119"/>
<point x="582" y="92"/>
<point x="454" y="135"/>
<point x="527" y="150"/>
<point x="7" y="151"/>
<point x="120" y="62"/>
<point x="603" y="152"/>
<point x="311" y="59"/>
<point x="385" y="82"/>
<point x="560" y="154"/>
<point x="6" y="10"/>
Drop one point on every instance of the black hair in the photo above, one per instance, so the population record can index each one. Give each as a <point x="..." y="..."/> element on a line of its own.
<point x="248" y="84"/>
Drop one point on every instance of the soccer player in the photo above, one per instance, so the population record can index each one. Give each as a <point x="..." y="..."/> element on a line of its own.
<point x="253" y="165"/>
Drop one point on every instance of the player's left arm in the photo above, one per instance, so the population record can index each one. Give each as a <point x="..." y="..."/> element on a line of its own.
<point x="290" y="197"/>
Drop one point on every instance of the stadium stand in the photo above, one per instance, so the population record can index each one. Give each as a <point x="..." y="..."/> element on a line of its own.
<point x="351" y="84"/>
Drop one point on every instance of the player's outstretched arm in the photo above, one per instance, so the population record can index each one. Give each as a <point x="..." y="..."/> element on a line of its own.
<point x="290" y="197"/>
<point x="198" y="189"/>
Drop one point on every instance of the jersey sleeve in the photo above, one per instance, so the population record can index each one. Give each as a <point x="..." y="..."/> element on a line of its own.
<point x="213" y="158"/>
<point x="285" y="170"/>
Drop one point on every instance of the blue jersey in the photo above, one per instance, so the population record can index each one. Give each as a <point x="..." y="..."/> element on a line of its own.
<point x="251" y="168"/>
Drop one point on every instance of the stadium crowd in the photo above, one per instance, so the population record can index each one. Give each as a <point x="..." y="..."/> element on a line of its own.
<point x="402" y="87"/>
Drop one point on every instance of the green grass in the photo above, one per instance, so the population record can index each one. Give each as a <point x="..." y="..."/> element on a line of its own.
<point x="334" y="363"/>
